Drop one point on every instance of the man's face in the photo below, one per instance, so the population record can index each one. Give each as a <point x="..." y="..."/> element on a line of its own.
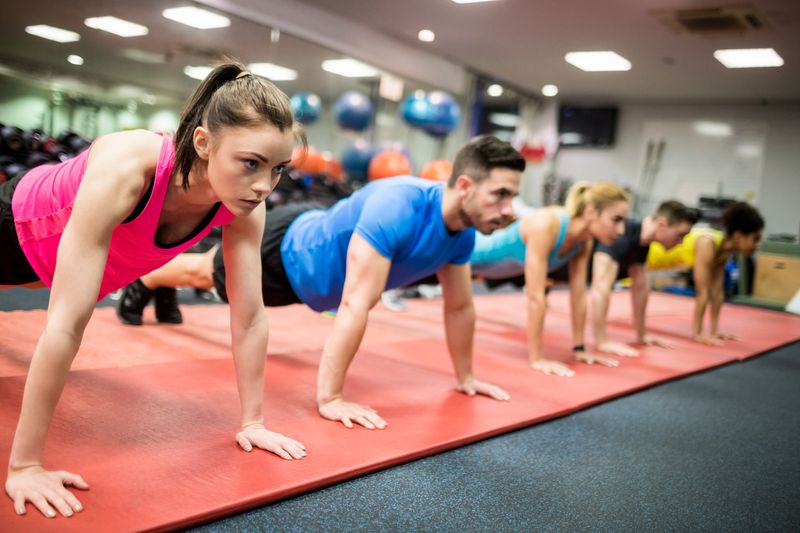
<point x="486" y="206"/>
<point x="669" y="235"/>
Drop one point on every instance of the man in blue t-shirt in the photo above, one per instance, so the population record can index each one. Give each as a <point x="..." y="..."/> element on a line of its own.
<point x="389" y="234"/>
<point x="668" y="225"/>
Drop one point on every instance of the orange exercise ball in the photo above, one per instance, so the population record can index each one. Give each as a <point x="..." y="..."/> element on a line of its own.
<point x="333" y="167"/>
<point x="438" y="170"/>
<point x="388" y="164"/>
<point x="307" y="161"/>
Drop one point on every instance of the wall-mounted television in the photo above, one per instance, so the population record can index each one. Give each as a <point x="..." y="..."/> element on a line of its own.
<point x="587" y="126"/>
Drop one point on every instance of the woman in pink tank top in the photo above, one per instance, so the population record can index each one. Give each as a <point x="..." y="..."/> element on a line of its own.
<point x="129" y="204"/>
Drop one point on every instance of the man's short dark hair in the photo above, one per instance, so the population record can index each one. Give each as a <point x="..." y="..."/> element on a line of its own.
<point x="675" y="213"/>
<point x="482" y="154"/>
<point x="742" y="217"/>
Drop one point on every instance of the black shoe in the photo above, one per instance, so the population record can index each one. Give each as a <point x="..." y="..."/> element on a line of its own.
<point x="167" y="310"/>
<point x="134" y="298"/>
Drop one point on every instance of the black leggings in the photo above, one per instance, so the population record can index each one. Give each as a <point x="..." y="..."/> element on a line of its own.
<point x="14" y="266"/>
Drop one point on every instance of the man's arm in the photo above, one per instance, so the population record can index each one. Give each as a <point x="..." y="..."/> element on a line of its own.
<point x="604" y="273"/>
<point x="459" y="324"/>
<point x="365" y="279"/>
<point x="241" y="241"/>
<point x="640" y="291"/>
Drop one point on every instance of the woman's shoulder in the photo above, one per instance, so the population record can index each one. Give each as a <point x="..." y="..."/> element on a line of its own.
<point x="544" y="217"/>
<point x="135" y="152"/>
<point x="134" y="144"/>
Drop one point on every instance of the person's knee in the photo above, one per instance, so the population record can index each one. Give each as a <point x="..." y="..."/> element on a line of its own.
<point x="200" y="272"/>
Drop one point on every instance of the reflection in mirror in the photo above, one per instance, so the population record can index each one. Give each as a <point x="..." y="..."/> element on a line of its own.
<point x="103" y="82"/>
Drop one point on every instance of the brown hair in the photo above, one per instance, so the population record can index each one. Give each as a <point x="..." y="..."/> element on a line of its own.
<point x="599" y="194"/>
<point x="479" y="156"/>
<point x="675" y="212"/>
<point x="230" y="96"/>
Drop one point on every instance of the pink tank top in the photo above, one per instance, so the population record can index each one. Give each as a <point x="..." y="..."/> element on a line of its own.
<point x="42" y="204"/>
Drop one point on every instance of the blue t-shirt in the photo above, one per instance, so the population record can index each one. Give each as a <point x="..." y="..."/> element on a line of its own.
<point x="400" y="217"/>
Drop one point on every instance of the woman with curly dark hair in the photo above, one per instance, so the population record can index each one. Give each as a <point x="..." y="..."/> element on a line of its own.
<point x="706" y="251"/>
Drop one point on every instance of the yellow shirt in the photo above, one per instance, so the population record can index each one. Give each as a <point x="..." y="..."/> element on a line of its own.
<point x="682" y="255"/>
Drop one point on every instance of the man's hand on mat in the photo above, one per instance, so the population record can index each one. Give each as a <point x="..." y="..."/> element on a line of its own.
<point x="549" y="367"/>
<point x="617" y="348"/>
<point x="712" y="341"/>
<point x="591" y="358"/>
<point x="45" y="490"/>
<point x="260" y="437"/>
<point x="649" y="340"/>
<point x="339" y="410"/>
<point x="472" y="386"/>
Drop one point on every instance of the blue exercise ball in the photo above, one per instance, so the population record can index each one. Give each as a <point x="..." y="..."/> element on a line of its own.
<point x="306" y="107"/>
<point x="416" y="110"/>
<point x="353" y="111"/>
<point x="445" y="114"/>
<point x="356" y="159"/>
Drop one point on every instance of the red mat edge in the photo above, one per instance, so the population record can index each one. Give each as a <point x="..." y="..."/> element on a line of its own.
<point x="238" y="508"/>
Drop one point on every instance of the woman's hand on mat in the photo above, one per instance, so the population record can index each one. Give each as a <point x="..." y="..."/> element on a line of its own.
<point x="591" y="358"/>
<point x="649" y="340"/>
<point x="549" y="367"/>
<point x="712" y="341"/>
<point x="472" y="386"/>
<point x="44" y="489"/>
<point x="339" y="410"/>
<point x="617" y="348"/>
<point x="256" y="435"/>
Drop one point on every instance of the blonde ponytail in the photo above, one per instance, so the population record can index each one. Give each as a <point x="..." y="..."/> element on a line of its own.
<point x="599" y="195"/>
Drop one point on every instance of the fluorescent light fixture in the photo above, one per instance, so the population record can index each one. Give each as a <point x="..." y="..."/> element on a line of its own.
<point x="196" y="17"/>
<point x="471" y="1"/>
<point x="426" y="36"/>
<point x="598" y="61"/>
<point x="748" y="150"/>
<point x="349" y="68"/>
<point x="127" y="91"/>
<point x="713" y="129"/>
<point x="123" y="28"/>
<point x="75" y="59"/>
<point x="272" y="72"/>
<point x="505" y="120"/>
<point x="391" y="88"/>
<point x="749" y="58"/>
<point x="494" y="90"/>
<point x="52" y="33"/>
<point x="570" y="138"/>
<point x="197" y="72"/>
<point x="550" y="90"/>
<point x="149" y="99"/>
<point x="142" y="56"/>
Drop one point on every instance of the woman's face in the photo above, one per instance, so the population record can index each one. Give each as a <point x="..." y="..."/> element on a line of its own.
<point x="609" y="224"/>
<point x="746" y="243"/>
<point x="246" y="163"/>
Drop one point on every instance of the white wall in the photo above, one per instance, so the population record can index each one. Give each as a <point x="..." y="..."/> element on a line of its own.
<point x="779" y="195"/>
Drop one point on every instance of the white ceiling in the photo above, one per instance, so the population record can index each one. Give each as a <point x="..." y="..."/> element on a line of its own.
<point x="524" y="41"/>
<point x="520" y="42"/>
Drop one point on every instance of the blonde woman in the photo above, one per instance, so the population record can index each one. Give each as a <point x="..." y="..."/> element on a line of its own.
<point x="545" y="241"/>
